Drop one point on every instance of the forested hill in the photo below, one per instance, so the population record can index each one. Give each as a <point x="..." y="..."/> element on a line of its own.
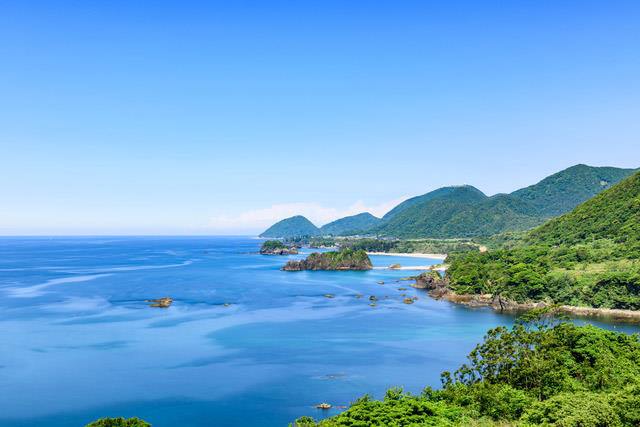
<point x="295" y="226"/>
<point x="464" y="211"/>
<point x="588" y="257"/>
<point x="350" y="225"/>
<point x="613" y="214"/>
<point x="444" y="192"/>
<point x="563" y="191"/>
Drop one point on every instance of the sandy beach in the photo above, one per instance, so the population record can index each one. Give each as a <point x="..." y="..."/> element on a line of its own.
<point x="411" y="255"/>
<point x="437" y="267"/>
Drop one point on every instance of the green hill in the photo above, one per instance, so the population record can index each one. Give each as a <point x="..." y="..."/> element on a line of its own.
<point x="458" y="212"/>
<point x="435" y="194"/>
<point x="296" y="226"/>
<point x="350" y="225"/>
<point x="563" y="191"/>
<point x="613" y="214"/>
<point x="588" y="257"/>
<point x="466" y="212"/>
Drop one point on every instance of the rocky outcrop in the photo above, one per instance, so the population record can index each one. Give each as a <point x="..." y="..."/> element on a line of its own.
<point x="438" y="288"/>
<point x="276" y="247"/>
<point x="432" y="282"/>
<point x="345" y="259"/>
<point x="160" y="302"/>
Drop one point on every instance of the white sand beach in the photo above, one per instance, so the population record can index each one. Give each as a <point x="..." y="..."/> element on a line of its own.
<point x="436" y="267"/>
<point x="411" y="255"/>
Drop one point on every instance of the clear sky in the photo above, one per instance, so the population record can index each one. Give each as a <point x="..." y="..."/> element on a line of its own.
<point x="157" y="117"/>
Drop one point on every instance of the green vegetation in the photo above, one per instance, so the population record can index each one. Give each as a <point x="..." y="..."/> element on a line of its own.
<point x="350" y="225"/>
<point x="461" y="212"/>
<point x="538" y="372"/>
<point x="428" y="246"/>
<point x="276" y="247"/>
<point x="296" y="226"/>
<point x="465" y="212"/>
<point x="119" y="422"/>
<point x="272" y="245"/>
<point x="589" y="257"/>
<point x="345" y="259"/>
<point x="563" y="191"/>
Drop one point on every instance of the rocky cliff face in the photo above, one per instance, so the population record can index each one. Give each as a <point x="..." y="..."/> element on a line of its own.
<point x="433" y="283"/>
<point x="343" y="260"/>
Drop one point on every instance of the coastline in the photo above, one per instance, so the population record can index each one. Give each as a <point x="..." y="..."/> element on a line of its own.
<point x="411" y="255"/>
<point x="503" y="305"/>
<point x="435" y="267"/>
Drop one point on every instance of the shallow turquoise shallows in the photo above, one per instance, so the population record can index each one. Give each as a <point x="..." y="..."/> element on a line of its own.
<point x="244" y="344"/>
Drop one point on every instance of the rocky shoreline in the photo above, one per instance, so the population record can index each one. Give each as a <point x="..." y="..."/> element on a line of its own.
<point x="438" y="288"/>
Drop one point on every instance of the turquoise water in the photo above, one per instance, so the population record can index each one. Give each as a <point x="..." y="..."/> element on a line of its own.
<point x="78" y="342"/>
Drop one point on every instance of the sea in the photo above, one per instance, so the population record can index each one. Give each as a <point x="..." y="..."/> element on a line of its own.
<point x="243" y="344"/>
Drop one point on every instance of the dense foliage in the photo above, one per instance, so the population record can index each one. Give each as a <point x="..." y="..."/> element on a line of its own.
<point x="119" y="422"/>
<point x="350" y="225"/>
<point x="439" y="193"/>
<point x="296" y="226"/>
<point x="271" y="245"/>
<point x="463" y="212"/>
<point x="345" y="259"/>
<point x="613" y="214"/>
<point x="589" y="257"/>
<point x="563" y="191"/>
<point x="535" y="373"/>
<point x="428" y="246"/>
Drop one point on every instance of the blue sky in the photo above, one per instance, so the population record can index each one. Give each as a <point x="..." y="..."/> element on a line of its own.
<point x="218" y="117"/>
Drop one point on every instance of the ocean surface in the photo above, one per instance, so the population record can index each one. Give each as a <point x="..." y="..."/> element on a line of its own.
<point x="244" y="344"/>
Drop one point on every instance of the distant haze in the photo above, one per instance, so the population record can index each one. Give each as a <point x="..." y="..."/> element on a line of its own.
<point x="219" y="118"/>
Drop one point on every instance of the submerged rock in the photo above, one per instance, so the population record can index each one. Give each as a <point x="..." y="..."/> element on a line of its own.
<point x="329" y="296"/>
<point x="395" y="266"/>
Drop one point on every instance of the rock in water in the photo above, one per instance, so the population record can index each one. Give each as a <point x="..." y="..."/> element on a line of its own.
<point x="160" y="302"/>
<point x="433" y="283"/>
<point x="345" y="259"/>
<point x="276" y="247"/>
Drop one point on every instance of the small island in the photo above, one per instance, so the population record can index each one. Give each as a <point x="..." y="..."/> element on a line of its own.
<point x="276" y="247"/>
<point x="345" y="259"/>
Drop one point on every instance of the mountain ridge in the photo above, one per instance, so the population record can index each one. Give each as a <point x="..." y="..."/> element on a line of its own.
<point x="463" y="211"/>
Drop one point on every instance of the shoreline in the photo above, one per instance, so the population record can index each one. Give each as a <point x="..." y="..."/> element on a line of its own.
<point x="507" y="306"/>
<point x="434" y="267"/>
<point x="410" y="255"/>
